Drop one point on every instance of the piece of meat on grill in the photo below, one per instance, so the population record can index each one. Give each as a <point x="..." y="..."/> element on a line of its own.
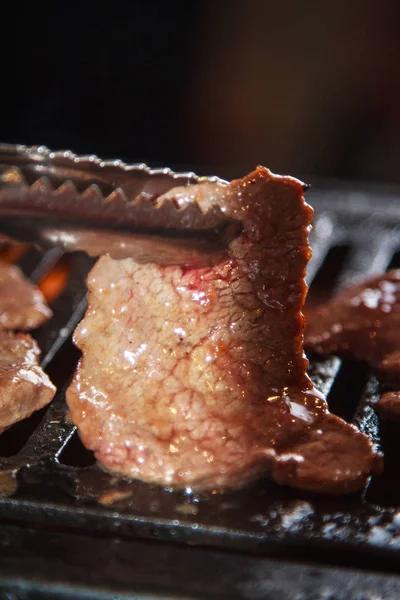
<point x="362" y="321"/>
<point x="388" y="405"/>
<point x="197" y="377"/>
<point x="22" y="305"/>
<point x="24" y="387"/>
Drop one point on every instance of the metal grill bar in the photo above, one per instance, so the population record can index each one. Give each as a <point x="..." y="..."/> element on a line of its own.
<point x="127" y="570"/>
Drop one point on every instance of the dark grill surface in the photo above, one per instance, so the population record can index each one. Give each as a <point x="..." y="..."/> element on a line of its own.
<point x="49" y="481"/>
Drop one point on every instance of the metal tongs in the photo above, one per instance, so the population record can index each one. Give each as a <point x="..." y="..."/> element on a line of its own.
<point x="107" y="207"/>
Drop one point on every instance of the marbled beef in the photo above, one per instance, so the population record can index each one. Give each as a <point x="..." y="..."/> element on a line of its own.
<point x="197" y="377"/>
<point x="24" y="387"/>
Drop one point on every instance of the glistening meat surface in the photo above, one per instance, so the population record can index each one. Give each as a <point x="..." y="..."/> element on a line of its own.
<point x="22" y="305"/>
<point x="363" y="321"/>
<point x="24" y="387"/>
<point x="389" y="405"/>
<point x="197" y="377"/>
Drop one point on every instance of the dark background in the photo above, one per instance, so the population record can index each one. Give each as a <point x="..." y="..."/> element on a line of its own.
<point x="309" y="88"/>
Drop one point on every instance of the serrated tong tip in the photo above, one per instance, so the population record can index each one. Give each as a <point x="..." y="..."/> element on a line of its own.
<point x="85" y="203"/>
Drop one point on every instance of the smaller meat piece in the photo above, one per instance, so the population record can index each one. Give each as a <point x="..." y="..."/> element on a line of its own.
<point x="362" y="321"/>
<point x="22" y="304"/>
<point x="389" y="406"/>
<point x="24" y="387"/>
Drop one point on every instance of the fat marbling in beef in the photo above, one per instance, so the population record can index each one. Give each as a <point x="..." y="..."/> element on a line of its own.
<point x="24" y="387"/>
<point x="197" y="377"/>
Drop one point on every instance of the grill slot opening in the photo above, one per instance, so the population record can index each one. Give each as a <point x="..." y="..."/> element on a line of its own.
<point x="328" y="274"/>
<point x="385" y="489"/>
<point x="61" y="368"/>
<point x="66" y="303"/>
<point x="54" y="281"/>
<point x="29" y="260"/>
<point x="74" y="453"/>
<point x="348" y="388"/>
<point x="395" y="261"/>
<point x="14" y="439"/>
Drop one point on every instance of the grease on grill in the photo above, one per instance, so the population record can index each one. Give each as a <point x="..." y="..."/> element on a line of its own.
<point x="102" y="487"/>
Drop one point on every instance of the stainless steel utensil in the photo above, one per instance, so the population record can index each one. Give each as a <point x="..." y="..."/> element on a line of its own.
<point x="84" y="203"/>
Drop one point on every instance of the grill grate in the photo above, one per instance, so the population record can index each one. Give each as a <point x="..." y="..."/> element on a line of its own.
<point x="46" y="476"/>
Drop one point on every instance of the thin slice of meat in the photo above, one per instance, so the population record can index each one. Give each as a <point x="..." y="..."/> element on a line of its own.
<point x="362" y="321"/>
<point x="197" y="377"/>
<point x="388" y="406"/>
<point x="24" y="387"/>
<point x="22" y="305"/>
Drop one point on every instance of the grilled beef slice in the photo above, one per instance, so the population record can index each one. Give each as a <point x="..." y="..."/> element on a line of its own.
<point x="22" y="305"/>
<point x="362" y="321"/>
<point x="388" y="405"/>
<point x="197" y="377"/>
<point x="24" y="387"/>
